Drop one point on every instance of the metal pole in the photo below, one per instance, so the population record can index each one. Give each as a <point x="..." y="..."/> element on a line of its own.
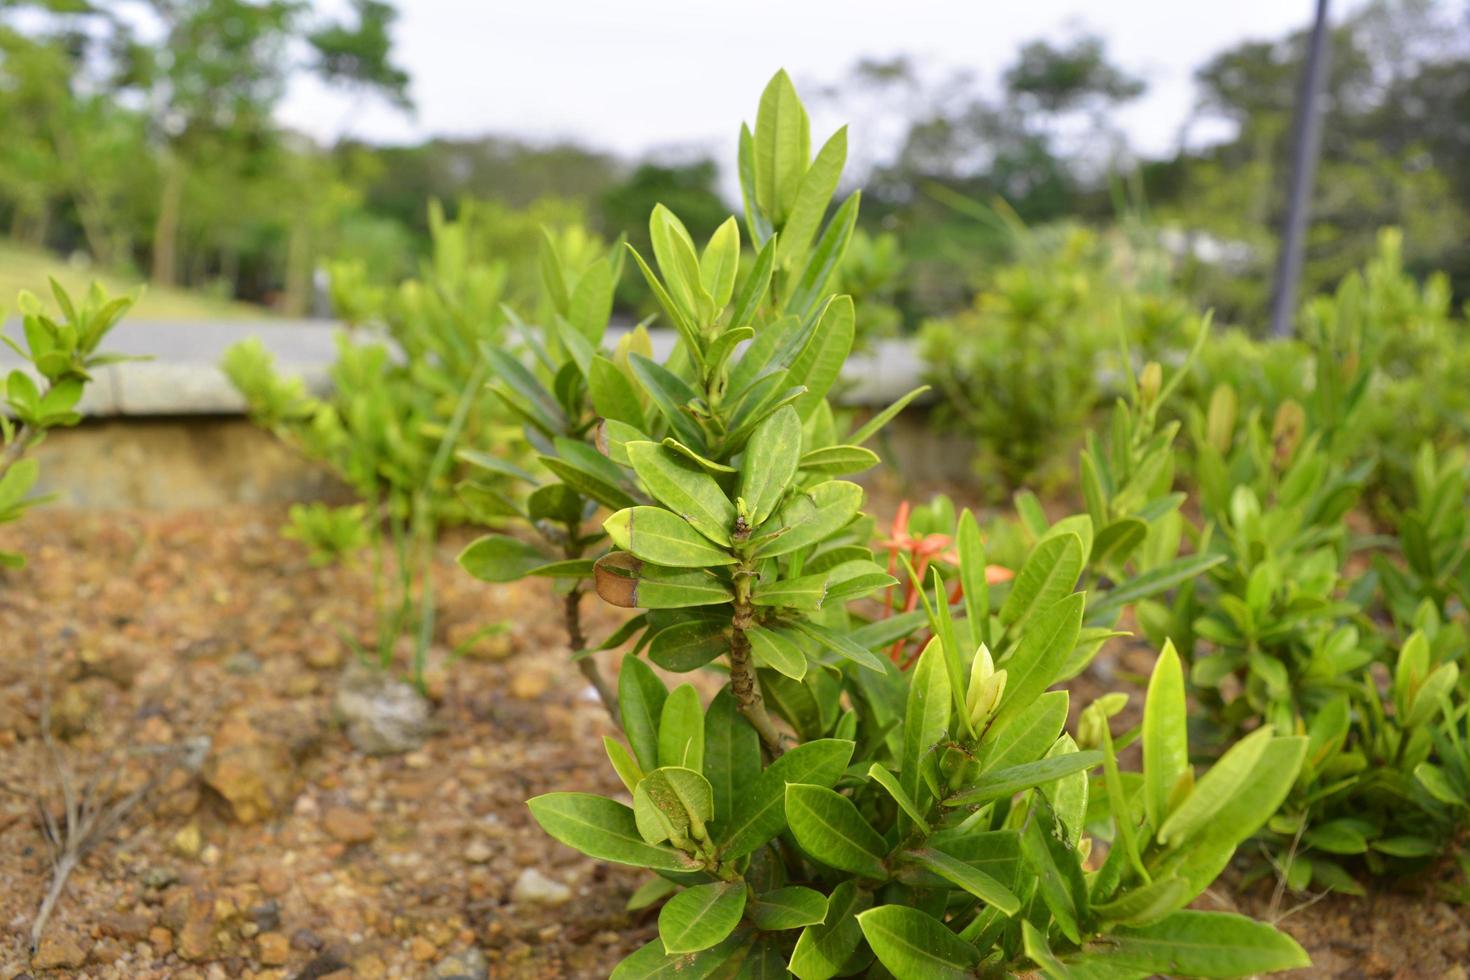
<point x="1306" y="148"/>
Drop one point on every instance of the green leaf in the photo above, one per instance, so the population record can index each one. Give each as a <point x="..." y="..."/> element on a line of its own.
<point x="651" y="962"/>
<point x="967" y="877"/>
<point x="806" y="592"/>
<point x="788" y="908"/>
<point x="842" y="645"/>
<point x="900" y="796"/>
<point x="839" y="460"/>
<point x="650" y="893"/>
<point x="1027" y="736"/>
<point x="664" y="538"/>
<point x="1150" y="583"/>
<point x="732" y="753"/>
<point x="603" y="829"/>
<point x="592" y="301"/>
<point x="1005" y="783"/>
<point x="782" y="148"/>
<point x="875" y="424"/>
<point x="641" y="697"/>
<point x="926" y="720"/>
<point x="809" y="517"/>
<point x="1165" y="735"/>
<point x="613" y="394"/>
<point x="720" y="262"/>
<point x="759" y="810"/>
<point x="820" y="362"/>
<point x="626" y="581"/>
<point x="853" y="579"/>
<point x="830" y="829"/>
<point x="1036" y="661"/>
<point x="688" y="646"/>
<point x="972" y="575"/>
<point x="700" y="917"/>
<point x="756" y="285"/>
<point x="685" y="489"/>
<point x="812" y="197"/>
<point x="914" y="945"/>
<point x="825" y="258"/>
<point x="777" y="649"/>
<point x="681" y="730"/>
<point x="1215" y="788"/>
<point x="1049" y="574"/>
<point x="500" y="558"/>
<point x="822" y="950"/>
<point x="1141" y="905"/>
<point x="1058" y="872"/>
<point x="771" y="458"/>
<point x="623" y="762"/>
<point x="674" y="804"/>
<point x="671" y="395"/>
<point x="1116" y="542"/>
<point x="1200" y="944"/>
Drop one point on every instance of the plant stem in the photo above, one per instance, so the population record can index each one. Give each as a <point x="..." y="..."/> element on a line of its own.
<point x="572" y="618"/>
<point x="743" y="682"/>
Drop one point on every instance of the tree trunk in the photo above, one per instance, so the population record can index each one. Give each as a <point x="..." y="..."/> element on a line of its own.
<point x="166" y="229"/>
<point x="298" y="270"/>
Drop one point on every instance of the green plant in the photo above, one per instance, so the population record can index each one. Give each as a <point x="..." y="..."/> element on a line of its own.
<point x="330" y="534"/>
<point x="1025" y="369"/>
<point x="828" y="812"/>
<point x="62" y="353"/>
<point x="399" y="409"/>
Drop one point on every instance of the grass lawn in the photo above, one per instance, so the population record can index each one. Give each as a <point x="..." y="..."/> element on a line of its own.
<point x="26" y="268"/>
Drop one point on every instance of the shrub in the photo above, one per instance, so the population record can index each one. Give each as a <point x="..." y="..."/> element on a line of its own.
<point x="1025" y="369"/>
<point x="827" y="812"/>
<point x="62" y="354"/>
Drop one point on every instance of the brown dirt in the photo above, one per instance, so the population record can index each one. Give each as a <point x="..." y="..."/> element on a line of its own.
<point x="209" y="624"/>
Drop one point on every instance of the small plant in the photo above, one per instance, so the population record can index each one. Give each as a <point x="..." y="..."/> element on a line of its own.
<point x="828" y="812"/>
<point x="400" y="409"/>
<point x="330" y="534"/>
<point x="62" y="354"/>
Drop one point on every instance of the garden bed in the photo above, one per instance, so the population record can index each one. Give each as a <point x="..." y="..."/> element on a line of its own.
<point x="295" y="856"/>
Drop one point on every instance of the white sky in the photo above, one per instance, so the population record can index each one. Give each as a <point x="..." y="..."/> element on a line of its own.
<point x="640" y="75"/>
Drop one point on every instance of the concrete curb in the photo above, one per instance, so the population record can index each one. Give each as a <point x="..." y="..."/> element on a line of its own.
<point x="183" y="376"/>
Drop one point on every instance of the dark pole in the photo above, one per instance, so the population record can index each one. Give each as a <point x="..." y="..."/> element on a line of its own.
<point x="1307" y="145"/>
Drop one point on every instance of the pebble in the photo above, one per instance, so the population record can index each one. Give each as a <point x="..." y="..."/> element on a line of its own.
<point x="273" y="880"/>
<point x="382" y="715"/>
<point x="530" y="683"/>
<point x="242" y="664"/>
<point x="57" y="951"/>
<point x="534" y="887"/>
<point x="478" y="852"/>
<point x="468" y="965"/>
<point x="422" y="950"/>
<point x="188" y="842"/>
<point x="274" y="948"/>
<point x="306" y="941"/>
<point x="348" y="826"/>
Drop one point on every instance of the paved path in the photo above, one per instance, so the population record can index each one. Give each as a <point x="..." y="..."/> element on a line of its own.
<point x="183" y="377"/>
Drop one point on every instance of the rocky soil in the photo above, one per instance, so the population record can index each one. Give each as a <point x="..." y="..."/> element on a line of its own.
<point x="289" y="852"/>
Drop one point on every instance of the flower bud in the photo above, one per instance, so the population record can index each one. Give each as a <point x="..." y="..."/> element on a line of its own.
<point x="985" y="697"/>
<point x="981" y="669"/>
<point x="1150" y="381"/>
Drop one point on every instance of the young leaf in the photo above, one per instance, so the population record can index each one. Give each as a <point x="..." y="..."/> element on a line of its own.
<point x="926" y="720"/>
<point x="812" y="197"/>
<point x="1215" y="788"/>
<point x="1034" y="664"/>
<point x="1165" y="738"/>
<point x="500" y="558"/>
<point x="701" y="916"/>
<point x="968" y="877"/>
